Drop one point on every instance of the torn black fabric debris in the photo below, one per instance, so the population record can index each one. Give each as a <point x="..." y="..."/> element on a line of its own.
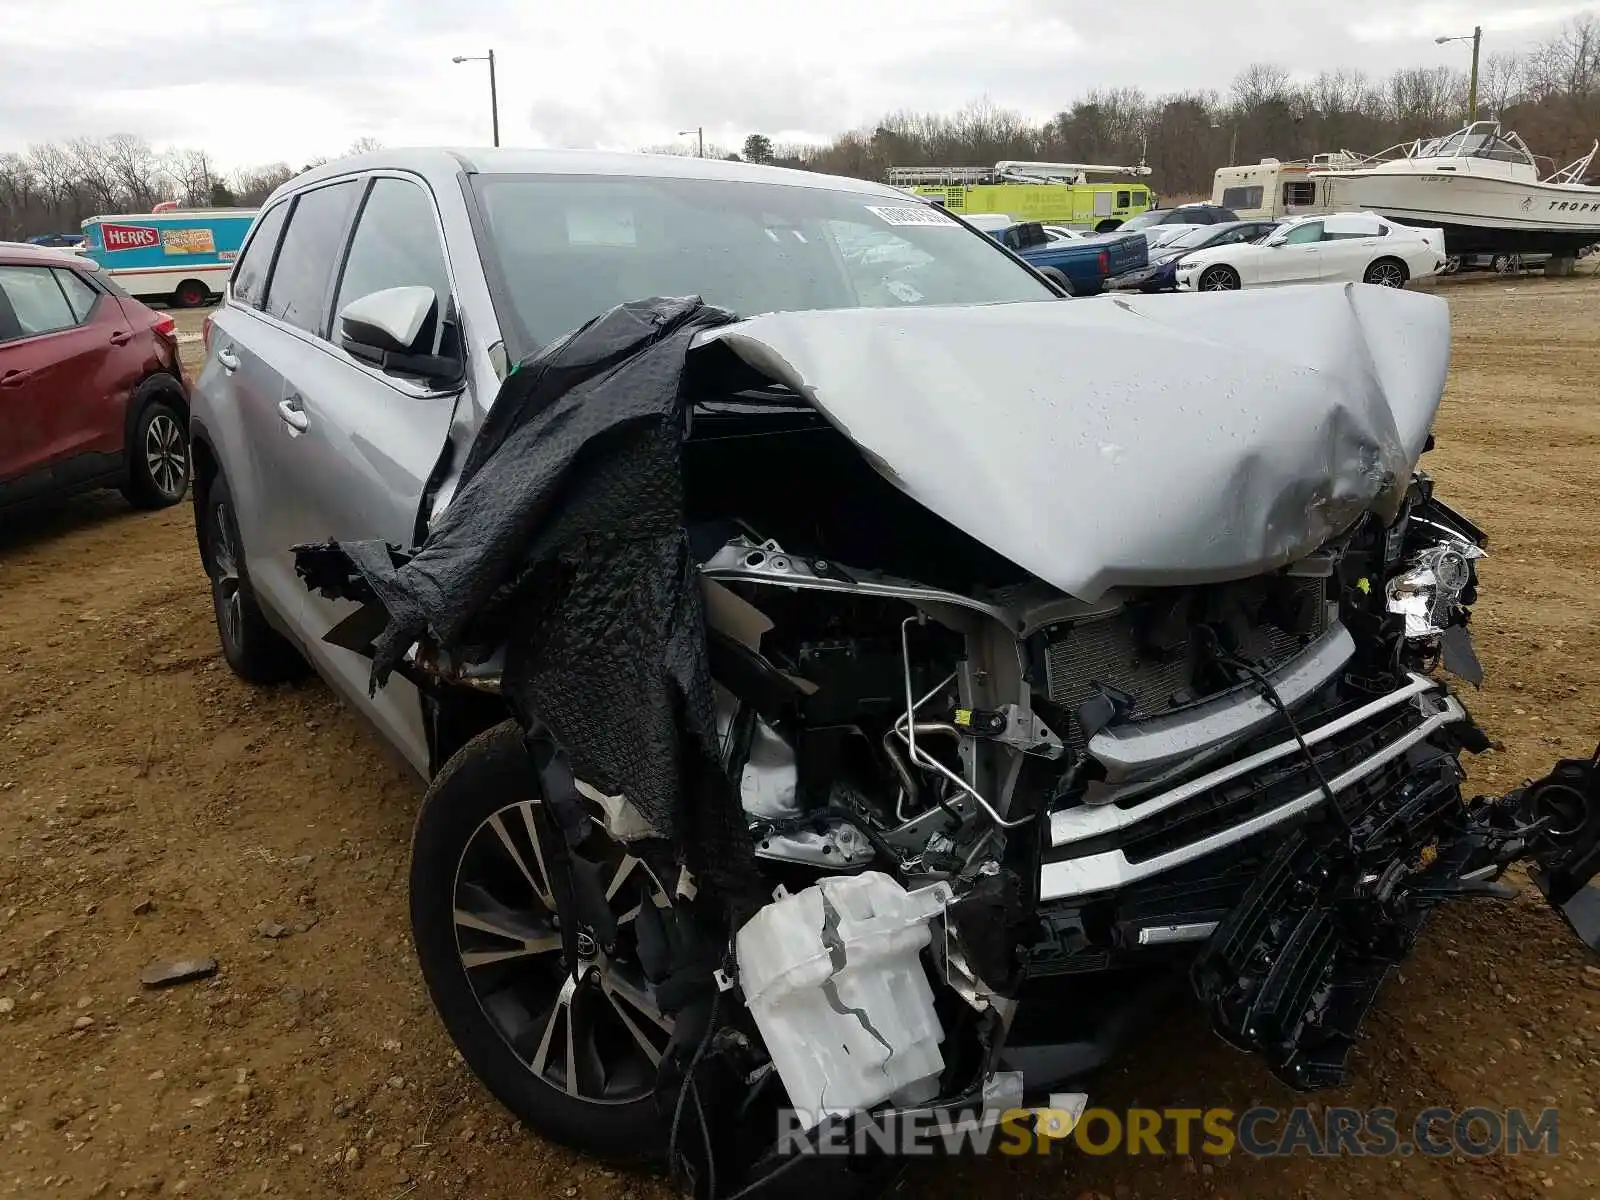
<point x="565" y="544"/>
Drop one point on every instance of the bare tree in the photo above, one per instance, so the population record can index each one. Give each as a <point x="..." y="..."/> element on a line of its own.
<point x="364" y="145"/>
<point x="192" y="174"/>
<point x="95" y="179"/>
<point x="252" y="185"/>
<point x="137" y="171"/>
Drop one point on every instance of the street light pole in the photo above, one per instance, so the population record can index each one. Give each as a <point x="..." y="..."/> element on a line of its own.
<point x="1233" y="142"/>
<point x="494" y="99"/>
<point x="699" y="132"/>
<point x="1472" y="87"/>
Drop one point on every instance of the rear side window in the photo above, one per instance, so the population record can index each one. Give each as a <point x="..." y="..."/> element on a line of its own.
<point x="250" y="276"/>
<point x="298" y="290"/>
<point x="1243" y="197"/>
<point x="37" y="301"/>
<point x="80" y="296"/>
<point x="1122" y="199"/>
<point x="396" y="244"/>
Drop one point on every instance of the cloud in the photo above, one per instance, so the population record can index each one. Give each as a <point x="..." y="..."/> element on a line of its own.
<point x="262" y="80"/>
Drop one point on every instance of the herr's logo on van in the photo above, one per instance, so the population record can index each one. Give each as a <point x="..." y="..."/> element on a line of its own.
<point x="129" y="237"/>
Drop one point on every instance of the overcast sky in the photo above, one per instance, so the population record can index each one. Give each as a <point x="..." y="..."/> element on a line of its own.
<point x="260" y="80"/>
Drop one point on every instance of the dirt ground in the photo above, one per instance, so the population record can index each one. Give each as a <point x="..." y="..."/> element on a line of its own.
<point x="151" y="805"/>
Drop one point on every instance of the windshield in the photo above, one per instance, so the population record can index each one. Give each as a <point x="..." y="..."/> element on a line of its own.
<point x="569" y="247"/>
<point x="1145" y="219"/>
<point x="1193" y="239"/>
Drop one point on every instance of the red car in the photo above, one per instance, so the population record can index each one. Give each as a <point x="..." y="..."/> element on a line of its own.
<point x="92" y="392"/>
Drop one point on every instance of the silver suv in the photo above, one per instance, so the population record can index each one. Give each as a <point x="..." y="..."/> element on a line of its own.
<point x="879" y="697"/>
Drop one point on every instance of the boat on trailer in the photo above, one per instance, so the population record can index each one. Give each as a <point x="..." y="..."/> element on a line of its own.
<point x="1481" y="185"/>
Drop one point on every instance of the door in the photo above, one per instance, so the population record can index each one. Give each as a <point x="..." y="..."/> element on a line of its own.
<point x="361" y="443"/>
<point x="1295" y="258"/>
<point x="1349" y="244"/>
<point x="63" y="383"/>
<point x="242" y="385"/>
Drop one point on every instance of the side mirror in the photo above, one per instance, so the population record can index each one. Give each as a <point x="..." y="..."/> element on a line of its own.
<point x="392" y="329"/>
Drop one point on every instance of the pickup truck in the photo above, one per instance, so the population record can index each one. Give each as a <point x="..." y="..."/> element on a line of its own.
<point x="1086" y="262"/>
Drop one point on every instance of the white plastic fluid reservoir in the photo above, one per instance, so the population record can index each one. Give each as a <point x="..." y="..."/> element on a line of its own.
<point x="834" y="981"/>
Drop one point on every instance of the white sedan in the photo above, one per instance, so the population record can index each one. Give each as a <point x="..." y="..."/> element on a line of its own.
<point x="1342" y="248"/>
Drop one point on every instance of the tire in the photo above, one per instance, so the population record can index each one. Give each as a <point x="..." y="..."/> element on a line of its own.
<point x="1504" y="264"/>
<point x="191" y="293"/>
<point x="158" y="465"/>
<point x="1220" y="278"/>
<point x="1387" y="272"/>
<point x="1452" y="265"/>
<point x="1060" y="278"/>
<point x="509" y="1016"/>
<point x="255" y="651"/>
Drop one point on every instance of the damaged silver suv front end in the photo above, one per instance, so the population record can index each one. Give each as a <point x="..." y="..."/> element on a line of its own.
<point x="1058" y="652"/>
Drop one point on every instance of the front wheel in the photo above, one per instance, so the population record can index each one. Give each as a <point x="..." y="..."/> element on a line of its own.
<point x="1386" y="272"/>
<point x="571" y="1045"/>
<point x="1220" y="279"/>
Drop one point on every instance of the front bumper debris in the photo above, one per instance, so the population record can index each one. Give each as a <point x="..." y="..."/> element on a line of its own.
<point x="1292" y="971"/>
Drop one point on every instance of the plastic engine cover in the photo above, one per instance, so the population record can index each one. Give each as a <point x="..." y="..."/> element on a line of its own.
<point x="833" y="977"/>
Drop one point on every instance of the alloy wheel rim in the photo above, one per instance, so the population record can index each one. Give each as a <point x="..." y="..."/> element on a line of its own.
<point x="588" y="1028"/>
<point x="1387" y="275"/>
<point x="225" y="579"/>
<point x="1217" y="281"/>
<point x="164" y="455"/>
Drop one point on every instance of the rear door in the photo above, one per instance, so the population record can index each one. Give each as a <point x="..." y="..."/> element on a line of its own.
<point x="363" y="442"/>
<point x="1349" y="244"/>
<point x="242" y="387"/>
<point x="63" y="388"/>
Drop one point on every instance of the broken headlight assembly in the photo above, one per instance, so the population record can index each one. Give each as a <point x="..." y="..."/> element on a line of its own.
<point x="1428" y="592"/>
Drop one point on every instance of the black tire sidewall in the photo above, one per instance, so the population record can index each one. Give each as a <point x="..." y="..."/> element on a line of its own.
<point x="261" y="655"/>
<point x="1387" y="262"/>
<point x="485" y="775"/>
<point x="142" y="489"/>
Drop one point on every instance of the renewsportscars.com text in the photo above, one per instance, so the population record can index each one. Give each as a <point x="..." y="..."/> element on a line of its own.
<point x="1321" y="1132"/>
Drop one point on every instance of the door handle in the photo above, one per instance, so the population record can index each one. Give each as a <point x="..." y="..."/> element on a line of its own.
<point x="293" y="415"/>
<point x="14" y="378"/>
<point x="227" y="359"/>
<point x="121" y="337"/>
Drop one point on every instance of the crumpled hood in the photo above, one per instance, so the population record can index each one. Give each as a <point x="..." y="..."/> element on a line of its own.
<point x="1152" y="440"/>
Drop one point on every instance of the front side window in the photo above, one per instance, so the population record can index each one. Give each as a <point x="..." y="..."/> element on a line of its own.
<point x="396" y="244"/>
<point x="250" y="275"/>
<point x="566" y="248"/>
<point x="1311" y="231"/>
<point x="298" y="290"/>
<point x="38" y="305"/>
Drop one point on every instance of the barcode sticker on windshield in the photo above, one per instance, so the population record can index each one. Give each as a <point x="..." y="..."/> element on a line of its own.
<point x="911" y="214"/>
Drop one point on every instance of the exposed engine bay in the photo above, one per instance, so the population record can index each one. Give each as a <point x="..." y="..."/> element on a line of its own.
<point x="995" y="820"/>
